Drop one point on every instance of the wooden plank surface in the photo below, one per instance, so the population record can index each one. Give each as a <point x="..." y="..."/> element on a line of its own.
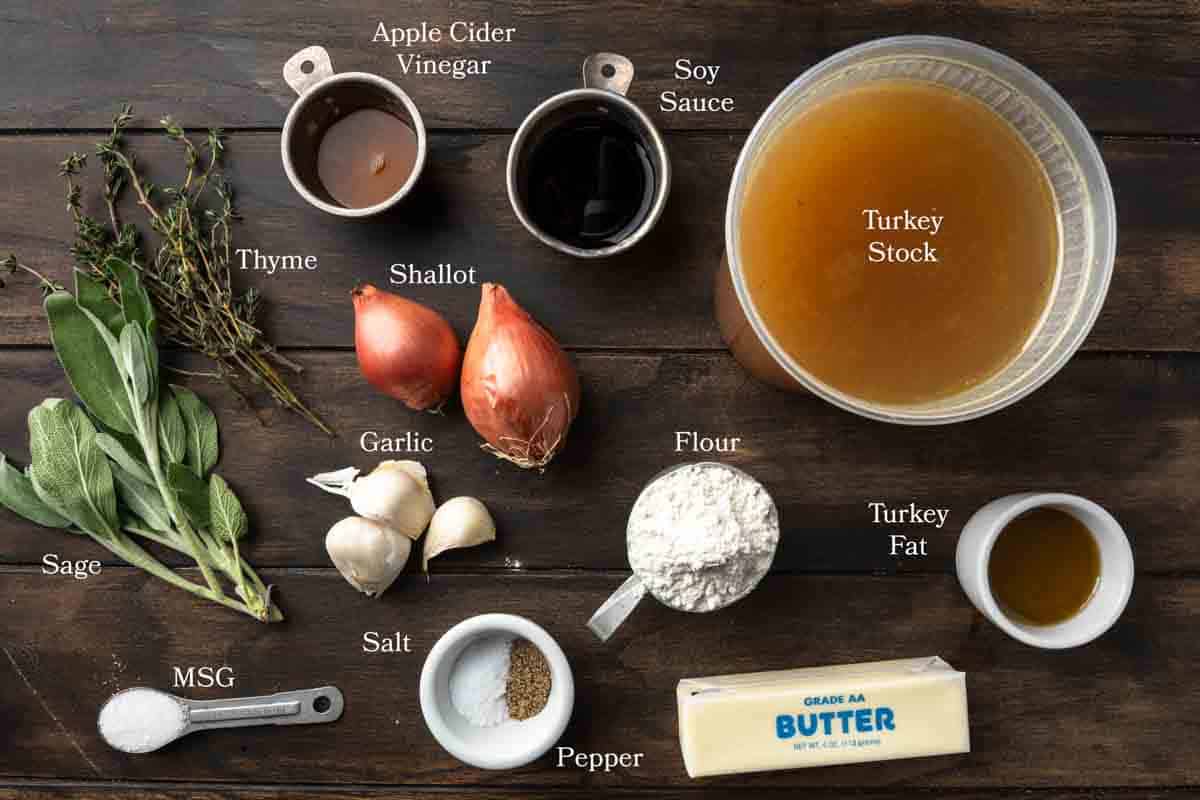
<point x="1122" y="430"/>
<point x="42" y="790"/>
<point x="1116" y="719"/>
<point x="39" y="790"/>
<point x="1089" y="717"/>
<point x="1125" y="66"/>
<point x="659" y="295"/>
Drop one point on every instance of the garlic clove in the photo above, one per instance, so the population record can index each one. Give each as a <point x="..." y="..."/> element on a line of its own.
<point x="368" y="554"/>
<point x="415" y="469"/>
<point x="395" y="493"/>
<point x="459" y="522"/>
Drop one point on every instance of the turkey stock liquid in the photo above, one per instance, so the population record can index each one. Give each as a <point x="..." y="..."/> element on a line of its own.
<point x="899" y="241"/>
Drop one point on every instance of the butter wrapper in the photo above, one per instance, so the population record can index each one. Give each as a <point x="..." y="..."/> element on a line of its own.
<point x="821" y="716"/>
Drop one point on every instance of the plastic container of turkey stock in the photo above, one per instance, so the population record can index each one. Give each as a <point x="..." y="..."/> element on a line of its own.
<point x="1083" y="200"/>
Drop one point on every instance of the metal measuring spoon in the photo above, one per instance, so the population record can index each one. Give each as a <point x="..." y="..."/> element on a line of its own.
<point x="124" y="722"/>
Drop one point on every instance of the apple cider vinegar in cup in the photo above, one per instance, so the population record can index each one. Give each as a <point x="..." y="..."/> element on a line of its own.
<point x="919" y="230"/>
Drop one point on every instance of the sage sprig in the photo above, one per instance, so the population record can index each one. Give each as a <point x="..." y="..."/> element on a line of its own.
<point x="135" y="462"/>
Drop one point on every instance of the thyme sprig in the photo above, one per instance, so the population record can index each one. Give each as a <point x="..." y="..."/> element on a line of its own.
<point x="188" y="276"/>
<point x="11" y="265"/>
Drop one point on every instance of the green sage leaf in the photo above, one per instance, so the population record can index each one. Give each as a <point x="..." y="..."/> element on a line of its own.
<point x="115" y="450"/>
<point x="142" y="499"/>
<point x="202" y="444"/>
<point x="89" y="355"/>
<point x="135" y="302"/>
<point x="69" y="472"/>
<point x="172" y="431"/>
<point x="18" y="495"/>
<point x="131" y="444"/>
<point x="135" y="360"/>
<point x="137" y="308"/>
<point x="92" y="295"/>
<point x="192" y="494"/>
<point x="225" y="510"/>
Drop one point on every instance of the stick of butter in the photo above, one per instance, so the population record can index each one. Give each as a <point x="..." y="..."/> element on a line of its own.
<point x="824" y="715"/>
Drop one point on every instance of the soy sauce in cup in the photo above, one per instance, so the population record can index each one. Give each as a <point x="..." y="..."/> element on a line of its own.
<point x="591" y="181"/>
<point x="588" y="172"/>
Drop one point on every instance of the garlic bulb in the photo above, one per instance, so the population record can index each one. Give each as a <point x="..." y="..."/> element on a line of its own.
<point x="368" y="554"/>
<point x="395" y="493"/>
<point x="460" y="522"/>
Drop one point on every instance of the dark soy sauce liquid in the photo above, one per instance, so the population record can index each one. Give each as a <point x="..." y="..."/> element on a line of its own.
<point x="591" y="182"/>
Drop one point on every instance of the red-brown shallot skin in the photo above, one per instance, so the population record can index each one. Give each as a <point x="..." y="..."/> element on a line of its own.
<point x="405" y="350"/>
<point x="520" y="390"/>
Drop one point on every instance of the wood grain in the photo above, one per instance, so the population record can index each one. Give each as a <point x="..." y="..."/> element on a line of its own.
<point x="41" y="790"/>
<point x="1096" y="716"/>
<point x="659" y="295"/>
<point x="1125" y="66"/>
<point x="1121" y="430"/>
<point x="1116" y="719"/>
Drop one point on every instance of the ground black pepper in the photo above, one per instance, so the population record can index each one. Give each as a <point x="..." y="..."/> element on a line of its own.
<point x="528" y="688"/>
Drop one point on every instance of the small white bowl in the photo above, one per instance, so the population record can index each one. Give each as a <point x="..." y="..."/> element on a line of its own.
<point x="1113" y="587"/>
<point x="510" y="744"/>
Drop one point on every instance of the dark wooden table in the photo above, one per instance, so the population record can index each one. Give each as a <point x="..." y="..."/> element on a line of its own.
<point x="1119" y="424"/>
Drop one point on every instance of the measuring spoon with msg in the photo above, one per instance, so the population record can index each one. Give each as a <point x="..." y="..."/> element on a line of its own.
<point x="142" y="720"/>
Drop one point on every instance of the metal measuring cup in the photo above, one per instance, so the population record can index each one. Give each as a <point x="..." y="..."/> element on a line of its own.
<point x="325" y="97"/>
<point x="621" y="603"/>
<point x="606" y="79"/>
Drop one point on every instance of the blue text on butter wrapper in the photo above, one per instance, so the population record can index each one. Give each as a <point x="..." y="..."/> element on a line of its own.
<point x="827" y="723"/>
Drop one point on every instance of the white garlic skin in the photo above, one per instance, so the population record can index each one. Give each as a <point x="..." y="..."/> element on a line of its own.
<point x="395" y="493"/>
<point x="369" y="555"/>
<point x="458" y="522"/>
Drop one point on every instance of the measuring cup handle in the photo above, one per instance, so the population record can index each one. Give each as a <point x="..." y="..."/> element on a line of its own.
<point x="303" y="707"/>
<point x="616" y="608"/>
<point x="608" y="71"/>
<point x="293" y="71"/>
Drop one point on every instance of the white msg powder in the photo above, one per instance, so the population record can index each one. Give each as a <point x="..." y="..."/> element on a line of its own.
<point x="702" y="536"/>
<point x="479" y="681"/>
<point x="141" y="720"/>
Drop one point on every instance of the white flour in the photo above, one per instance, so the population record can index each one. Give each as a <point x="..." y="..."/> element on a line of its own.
<point x="701" y="536"/>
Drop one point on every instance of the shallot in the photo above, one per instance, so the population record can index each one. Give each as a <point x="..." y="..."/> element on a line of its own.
<point x="405" y="350"/>
<point x="519" y="388"/>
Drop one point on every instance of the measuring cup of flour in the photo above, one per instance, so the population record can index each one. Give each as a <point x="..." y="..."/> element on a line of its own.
<point x="700" y="537"/>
